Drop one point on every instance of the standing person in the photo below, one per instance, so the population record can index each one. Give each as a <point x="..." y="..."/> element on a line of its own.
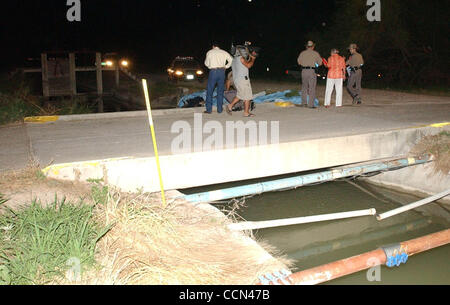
<point x="335" y="77"/>
<point x="217" y="61"/>
<point x="241" y="81"/>
<point x="309" y="60"/>
<point x="355" y="62"/>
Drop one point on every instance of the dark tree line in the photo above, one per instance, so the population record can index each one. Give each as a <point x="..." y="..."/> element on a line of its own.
<point x="409" y="46"/>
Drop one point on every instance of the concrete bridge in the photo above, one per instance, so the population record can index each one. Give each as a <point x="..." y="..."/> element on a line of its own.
<point x="117" y="146"/>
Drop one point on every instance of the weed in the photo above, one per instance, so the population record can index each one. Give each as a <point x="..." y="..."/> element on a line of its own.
<point x="2" y="199"/>
<point x="99" y="192"/>
<point x="38" y="242"/>
<point x="292" y="93"/>
<point x="439" y="146"/>
<point x="40" y="175"/>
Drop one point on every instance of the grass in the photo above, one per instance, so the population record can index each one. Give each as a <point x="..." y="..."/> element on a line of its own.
<point x="14" y="108"/>
<point x="40" y="244"/>
<point x="111" y="237"/>
<point x="180" y="244"/>
<point x="16" y="103"/>
<point x="439" y="146"/>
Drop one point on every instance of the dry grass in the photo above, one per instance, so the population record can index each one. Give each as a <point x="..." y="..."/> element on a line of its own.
<point x="21" y="187"/>
<point x="182" y="244"/>
<point x="439" y="146"/>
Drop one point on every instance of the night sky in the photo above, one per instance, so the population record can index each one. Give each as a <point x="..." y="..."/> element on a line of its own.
<point x="151" y="33"/>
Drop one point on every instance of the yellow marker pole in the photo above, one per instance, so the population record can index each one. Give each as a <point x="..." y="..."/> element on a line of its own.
<point x="152" y="129"/>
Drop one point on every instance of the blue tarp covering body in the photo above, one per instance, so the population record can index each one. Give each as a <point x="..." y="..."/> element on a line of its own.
<point x="273" y="97"/>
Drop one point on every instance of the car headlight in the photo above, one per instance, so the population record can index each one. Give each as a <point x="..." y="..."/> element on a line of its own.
<point x="109" y="63"/>
<point x="124" y="63"/>
<point x="199" y="72"/>
<point x="170" y="70"/>
<point x="179" y="73"/>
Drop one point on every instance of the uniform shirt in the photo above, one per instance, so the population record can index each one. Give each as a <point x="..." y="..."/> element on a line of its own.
<point x="336" y="66"/>
<point x="309" y="58"/>
<point x="355" y="60"/>
<point x="240" y="71"/>
<point x="218" y="58"/>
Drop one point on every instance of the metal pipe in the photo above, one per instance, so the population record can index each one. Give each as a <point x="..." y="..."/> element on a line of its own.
<point x="252" y="225"/>
<point x="412" y="205"/>
<point x="293" y="182"/>
<point x="366" y="260"/>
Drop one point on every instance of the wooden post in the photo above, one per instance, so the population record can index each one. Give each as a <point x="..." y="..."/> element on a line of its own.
<point x="98" y="64"/>
<point x="44" y="68"/>
<point x="72" y="74"/>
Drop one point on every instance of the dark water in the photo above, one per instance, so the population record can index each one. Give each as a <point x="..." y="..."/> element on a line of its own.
<point x="311" y="245"/>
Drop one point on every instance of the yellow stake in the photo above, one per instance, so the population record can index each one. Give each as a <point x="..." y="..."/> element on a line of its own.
<point x="152" y="129"/>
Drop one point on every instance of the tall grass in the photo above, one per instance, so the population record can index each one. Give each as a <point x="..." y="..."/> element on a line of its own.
<point x="39" y="243"/>
<point x="179" y="244"/>
<point x="439" y="146"/>
<point x="14" y="108"/>
<point x="17" y="102"/>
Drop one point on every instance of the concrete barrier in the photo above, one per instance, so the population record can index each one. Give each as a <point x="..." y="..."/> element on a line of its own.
<point x="421" y="180"/>
<point x="109" y="115"/>
<point x="219" y="166"/>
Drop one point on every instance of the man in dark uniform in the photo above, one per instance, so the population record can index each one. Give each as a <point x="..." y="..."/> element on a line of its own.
<point x="309" y="60"/>
<point x="354" y="63"/>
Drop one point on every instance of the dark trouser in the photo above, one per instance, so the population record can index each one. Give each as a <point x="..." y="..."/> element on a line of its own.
<point x="354" y="83"/>
<point x="216" y="76"/>
<point x="309" y="81"/>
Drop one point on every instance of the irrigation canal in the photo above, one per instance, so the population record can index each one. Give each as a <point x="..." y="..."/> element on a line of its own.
<point x="314" y="244"/>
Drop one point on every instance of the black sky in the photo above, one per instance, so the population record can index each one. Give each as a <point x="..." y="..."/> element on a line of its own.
<point x="153" y="32"/>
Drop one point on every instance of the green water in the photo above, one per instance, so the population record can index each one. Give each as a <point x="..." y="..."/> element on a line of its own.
<point x="311" y="245"/>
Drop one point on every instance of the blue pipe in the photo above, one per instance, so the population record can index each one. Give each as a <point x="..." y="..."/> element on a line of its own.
<point x="293" y="182"/>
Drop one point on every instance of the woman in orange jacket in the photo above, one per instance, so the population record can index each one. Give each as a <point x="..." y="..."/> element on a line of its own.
<point x="335" y="77"/>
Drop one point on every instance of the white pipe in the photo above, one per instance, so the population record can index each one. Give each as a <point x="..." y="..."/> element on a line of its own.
<point x="412" y="205"/>
<point x="252" y="225"/>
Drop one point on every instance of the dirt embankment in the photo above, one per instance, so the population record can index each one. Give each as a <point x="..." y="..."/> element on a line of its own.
<point x="149" y="244"/>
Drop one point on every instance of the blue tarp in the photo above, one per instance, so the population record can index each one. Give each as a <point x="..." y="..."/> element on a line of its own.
<point x="281" y="96"/>
<point x="273" y="97"/>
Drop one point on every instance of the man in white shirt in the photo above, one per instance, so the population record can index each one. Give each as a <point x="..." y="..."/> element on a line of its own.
<point x="217" y="61"/>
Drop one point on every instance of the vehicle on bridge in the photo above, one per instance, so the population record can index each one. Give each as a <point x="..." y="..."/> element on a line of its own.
<point x="185" y="69"/>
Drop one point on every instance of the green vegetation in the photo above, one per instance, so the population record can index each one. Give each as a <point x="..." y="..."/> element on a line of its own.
<point x="39" y="244"/>
<point x="99" y="192"/>
<point x="117" y="238"/>
<point x="14" y="107"/>
<point x="397" y="52"/>
<point x="2" y="199"/>
<point x="292" y="93"/>
<point x="17" y="102"/>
